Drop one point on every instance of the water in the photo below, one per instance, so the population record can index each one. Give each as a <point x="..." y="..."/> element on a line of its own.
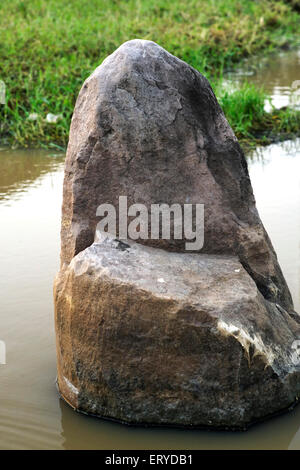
<point x="278" y="75"/>
<point x="31" y="414"/>
<point x="275" y="175"/>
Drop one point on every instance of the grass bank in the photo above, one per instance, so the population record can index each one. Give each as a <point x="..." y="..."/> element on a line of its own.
<point x="245" y="111"/>
<point x="49" y="47"/>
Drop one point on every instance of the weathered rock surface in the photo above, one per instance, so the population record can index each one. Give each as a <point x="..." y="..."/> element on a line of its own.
<point x="148" y="126"/>
<point x="150" y="334"/>
<point x="147" y="336"/>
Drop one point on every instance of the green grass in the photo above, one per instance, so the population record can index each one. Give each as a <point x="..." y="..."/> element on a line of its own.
<point x="245" y="111"/>
<point x="49" y="47"/>
<point x="244" y="108"/>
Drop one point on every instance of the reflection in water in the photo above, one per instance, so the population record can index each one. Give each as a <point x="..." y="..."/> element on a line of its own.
<point x="275" y="175"/>
<point x="23" y="168"/>
<point x="31" y="414"/>
<point x="275" y="74"/>
<point x="29" y="256"/>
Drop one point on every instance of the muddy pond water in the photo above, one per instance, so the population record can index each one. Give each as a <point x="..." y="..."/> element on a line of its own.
<point x="32" y="416"/>
<point x="278" y="74"/>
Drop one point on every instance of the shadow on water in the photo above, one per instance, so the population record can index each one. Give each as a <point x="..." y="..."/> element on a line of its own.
<point x="85" y="432"/>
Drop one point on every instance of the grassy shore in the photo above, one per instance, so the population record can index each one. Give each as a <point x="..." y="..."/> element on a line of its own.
<point x="49" y="47"/>
<point x="245" y="111"/>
